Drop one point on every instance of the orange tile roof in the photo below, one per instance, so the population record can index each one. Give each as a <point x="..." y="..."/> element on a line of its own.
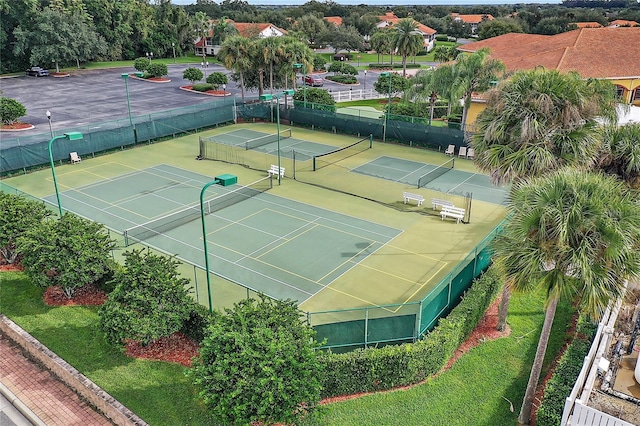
<point x="588" y="24"/>
<point x="592" y="52"/>
<point x="249" y="29"/>
<point x="335" y="20"/>
<point x="392" y="19"/>
<point x="472" y="19"/>
<point x="623" y="23"/>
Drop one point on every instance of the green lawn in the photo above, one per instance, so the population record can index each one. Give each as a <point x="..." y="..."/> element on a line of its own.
<point x="471" y="393"/>
<point x="373" y="58"/>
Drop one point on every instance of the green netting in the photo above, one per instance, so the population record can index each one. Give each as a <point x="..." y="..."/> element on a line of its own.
<point x="25" y="152"/>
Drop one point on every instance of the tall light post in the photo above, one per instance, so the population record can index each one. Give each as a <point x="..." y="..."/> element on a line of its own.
<point x="173" y="46"/>
<point x="205" y="65"/>
<point x="365" y="84"/>
<point x="149" y="56"/>
<point x="72" y="136"/>
<point x="386" y="120"/>
<point x="125" y="77"/>
<point x="49" y="118"/>
<point x="276" y="96"/>
<point x="304" y="83"/>
<point x="204" y="239"/>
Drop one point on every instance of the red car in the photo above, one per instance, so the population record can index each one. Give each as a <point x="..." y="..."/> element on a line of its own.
<point x="313" y="80"/>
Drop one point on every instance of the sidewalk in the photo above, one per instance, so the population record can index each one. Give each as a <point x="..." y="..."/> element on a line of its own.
<point x="41" y="398"/>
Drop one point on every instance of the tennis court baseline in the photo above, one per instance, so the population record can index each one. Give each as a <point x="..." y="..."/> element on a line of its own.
<point x="451" y="181"/>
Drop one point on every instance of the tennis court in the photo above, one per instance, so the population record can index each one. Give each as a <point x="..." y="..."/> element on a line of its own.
<point x="268" y="143"/>
<point x="281" y="247"/>
<point x="443" y="178"/>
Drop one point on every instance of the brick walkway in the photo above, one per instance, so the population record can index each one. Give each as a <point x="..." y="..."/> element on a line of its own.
<point x="47" y="397"/>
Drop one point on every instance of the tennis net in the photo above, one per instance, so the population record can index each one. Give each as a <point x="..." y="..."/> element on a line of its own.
<point x="323" y="160"/>
<point x="171" y="221"/>
<point x="267" y="139"/>
<point x="436" y="173"/>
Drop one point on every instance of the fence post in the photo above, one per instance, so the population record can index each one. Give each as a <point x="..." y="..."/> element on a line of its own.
<point x="366" y="326"/>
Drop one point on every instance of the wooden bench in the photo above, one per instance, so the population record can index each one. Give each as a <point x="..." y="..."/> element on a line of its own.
<point x="415" y="197"/>
<point x="435" y="203"/>
<point x="274" y="171"/>
<point x="453" y="212"/>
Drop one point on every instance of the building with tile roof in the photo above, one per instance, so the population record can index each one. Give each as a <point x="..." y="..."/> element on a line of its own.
<point x="588" y="24"/>
<point x="472" y="20"/>
<point x="335" y="20"/>
<point x="389" y="19"/>
<point x="622" y="23"/>
<point x="205" y="46"/>
<point x="603" y="53"/>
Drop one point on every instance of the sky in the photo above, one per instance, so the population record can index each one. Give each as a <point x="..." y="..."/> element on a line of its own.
<point x="392" y="2"/>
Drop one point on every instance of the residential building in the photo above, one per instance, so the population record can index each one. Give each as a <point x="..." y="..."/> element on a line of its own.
<point x="335" y="20"/>
<point x="588" y="24"/>
<point x="429" y="34"/>
<point x="622" y="23"/>
<point x="603" y="53"/>
<point x="472" y="20"/>
<point x="205" y="46"/>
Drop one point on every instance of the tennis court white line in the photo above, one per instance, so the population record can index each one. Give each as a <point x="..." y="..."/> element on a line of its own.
<point x="102" y="210"/>
<point x="473" y="184"/>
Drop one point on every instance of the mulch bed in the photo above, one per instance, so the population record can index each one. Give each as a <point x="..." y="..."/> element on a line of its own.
<point x="87" y="295"/>
<point x="176" y="348"/>
<point x="16" y="126"/>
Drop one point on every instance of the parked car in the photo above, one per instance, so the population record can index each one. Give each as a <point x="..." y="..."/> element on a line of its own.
<point x="37" y="72"/>
<point x="313" y="80"/>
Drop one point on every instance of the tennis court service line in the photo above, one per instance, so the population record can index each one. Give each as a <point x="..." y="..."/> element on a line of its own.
<point x="102" y="210"/>
<point x="425" y="166"/>
<point x="473" y="184"/>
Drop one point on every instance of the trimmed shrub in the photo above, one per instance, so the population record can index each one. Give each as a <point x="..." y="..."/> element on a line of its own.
<point x="196" y="325"/>
<point x="202" y="87"/>
<point x="563" y="379"/>
<point x="157" y="69"/>
<point x="344" y="79"/>
<point x="141" y="64"/>
<point x="372" y="369"/>
<point x="11" y="110"/>
<point x="442" y="37"/>
<point x="395" y="66"/>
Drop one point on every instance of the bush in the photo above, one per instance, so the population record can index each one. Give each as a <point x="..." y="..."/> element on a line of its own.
<point x="217" y="79"/>
<point x="319" y="62"/>
<point x="395" y="66"/>
<point x="344" y="79"/>
<point x="11" y="110"/>
<point x="563" y="379"/>
<point x="141" y="64"/>
<point x="316" y="99"/>
<point x="442" y="37"/>
<point x="202" y="87"/>
<point x="192" y="74"/>
<point x="157" y="69"/>
<point x="368" y="370"/>
<point x="196" y="325"/>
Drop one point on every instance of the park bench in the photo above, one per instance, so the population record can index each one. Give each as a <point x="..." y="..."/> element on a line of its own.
<point x="435" y="203"/>
<point x="274" y="171"/>
<point x="415" y="197"/>
<point x="75" y="158"/>
<point x="453" y="212"/>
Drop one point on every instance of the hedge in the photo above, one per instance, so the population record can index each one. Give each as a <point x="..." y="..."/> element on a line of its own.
<point x="374" y="369"/>
<point x="394" y="66"/>
<point x="560" y="384"/>
<point x="202" y="87"/>
<point x="344" y="79"/>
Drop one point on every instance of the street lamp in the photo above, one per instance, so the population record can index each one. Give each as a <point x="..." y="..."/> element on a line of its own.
<point x="149" y="56"/>
<point x="72" y="136"/>
<point x="224" y="89"/>
<point x="205" y="65"/>
<point x="173" y="46"/>
<point x="365" y="84"/>
<point x="386" y="124"/>
<point x="276" y="96"/>
<point x="49" y="118"/>
<point x="204" y="239"/>
<point x="304" y="83"/>
<point x="125" y="76"/>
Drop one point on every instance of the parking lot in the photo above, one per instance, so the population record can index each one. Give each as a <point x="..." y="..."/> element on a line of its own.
<point x="95" y="96"/>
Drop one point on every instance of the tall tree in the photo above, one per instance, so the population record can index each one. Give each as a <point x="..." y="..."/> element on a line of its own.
<point x="621" y="152"/>
<point x="431" y="85"/>
<point x="475" y="73"/>
<point x="270" y="51"/>
<point x="537" y="122"/>
<point x="576" y="234"/>
<point x="381" y="42"/>
<point x="200" y="26"/>
<point x="407" y="41"/>
<point x="236" y="55"/>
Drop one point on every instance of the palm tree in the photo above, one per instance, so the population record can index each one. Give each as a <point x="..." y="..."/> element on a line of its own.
<point x="200" y="25"/>
<point x="621" y="152"/>
<point x="236" y="54"/>
<point x="271" y="50"/>
<point x="536" y="122"/>
<point x="475" y="72"/>
<point x="445" y="53"/>
<point x="576" y="234"/>
<point x="429" y="85"/>
<point x="381" y="41"/>
<point x="539" y="121"/>
<point x="407" y="40"/>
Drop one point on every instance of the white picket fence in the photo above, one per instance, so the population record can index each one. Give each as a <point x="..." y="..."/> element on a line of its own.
<point x="356" y="95"/>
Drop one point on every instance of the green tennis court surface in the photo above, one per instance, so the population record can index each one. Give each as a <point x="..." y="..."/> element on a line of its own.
<point x="268" y="143"/>
<point x="277" y="246"/>
<point x="445" y="179"/>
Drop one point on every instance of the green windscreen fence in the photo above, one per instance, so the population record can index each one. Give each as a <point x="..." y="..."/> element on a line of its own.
<point x="23" y="152"/>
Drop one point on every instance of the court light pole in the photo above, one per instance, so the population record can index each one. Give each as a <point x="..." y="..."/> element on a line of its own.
<point x="72" y="136"/>
<point x="125" y="77"/>
<point x="204" y="240"/>
<point x="276" y="96"/>
<point x="304" y="83"/>
<point x="49" y="118"/>
<point x="386" y="119"/>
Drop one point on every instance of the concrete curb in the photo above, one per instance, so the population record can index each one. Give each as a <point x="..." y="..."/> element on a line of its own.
<point x="19" y="405"/>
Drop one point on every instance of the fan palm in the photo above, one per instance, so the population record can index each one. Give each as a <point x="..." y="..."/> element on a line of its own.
<point x="621" y="152"/>
<point x="271" y="50"/>
<point x="407" y="40"/>
<point x="236" y="54"/>
<point x="200" y="26"/>
<point x="540" y="120"/>
<point x="475" y="72"/>
<point x="430" y="85"/>
<point x="574" y="233"/>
